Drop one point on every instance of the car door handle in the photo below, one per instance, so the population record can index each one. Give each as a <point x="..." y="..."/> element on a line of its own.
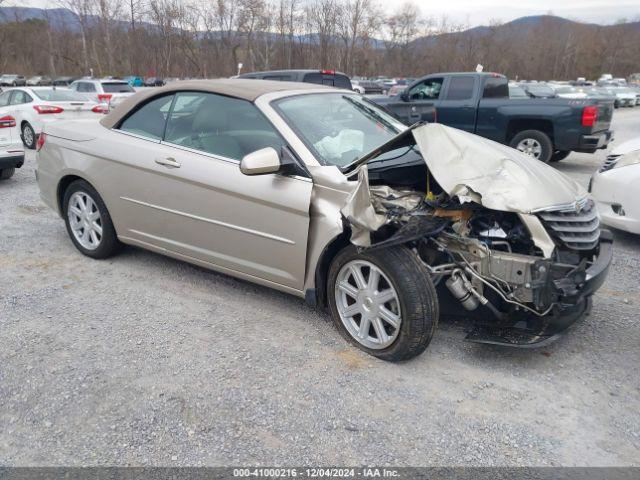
<point x="168" y="162"/>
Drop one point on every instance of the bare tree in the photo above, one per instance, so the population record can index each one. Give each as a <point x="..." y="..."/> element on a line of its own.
<point x="358" y="23"/>
<point x="323" y="18"/>
<point x="81" y="9"/>
<point x="209" y="38"/>
<point x="164" y="14"/>
<point x="109" y="11"/>
<point x="402" y="27"/>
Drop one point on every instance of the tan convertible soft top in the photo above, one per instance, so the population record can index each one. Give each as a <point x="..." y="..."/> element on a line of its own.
<point x="247" y="89"/>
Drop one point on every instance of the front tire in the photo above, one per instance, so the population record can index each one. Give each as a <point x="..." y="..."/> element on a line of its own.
<point x="534" y="143"/>
<point x="29" y="136"/>
<point x="7" y="173"/>
<point x="88" y="221"/>
<point x="383" y="302"/>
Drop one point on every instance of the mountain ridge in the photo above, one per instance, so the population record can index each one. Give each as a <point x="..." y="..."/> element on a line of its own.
<point x="63" y="18"/>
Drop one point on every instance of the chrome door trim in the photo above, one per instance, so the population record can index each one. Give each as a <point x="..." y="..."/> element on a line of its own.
<point x="135" y="135"/>
<point x="214" y="222"/>
<point x="200" y="152"/>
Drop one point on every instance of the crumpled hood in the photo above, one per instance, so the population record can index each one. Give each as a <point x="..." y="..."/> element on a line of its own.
<point x="499" y="177"/>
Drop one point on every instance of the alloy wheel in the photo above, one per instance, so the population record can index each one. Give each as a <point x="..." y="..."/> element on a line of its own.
<point x="368" y="304"/>
<point x="85" y="221"/>
<point x="28" y="135"/>
<point x="530" y="146"/>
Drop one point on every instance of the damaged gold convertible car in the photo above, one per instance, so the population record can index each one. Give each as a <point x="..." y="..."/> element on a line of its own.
<point x="319" y="193"/>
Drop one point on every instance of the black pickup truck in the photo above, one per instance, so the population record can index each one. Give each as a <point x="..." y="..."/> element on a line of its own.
<point x="549" y="129"/>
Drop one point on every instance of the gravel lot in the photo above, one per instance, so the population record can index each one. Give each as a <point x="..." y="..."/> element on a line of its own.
<point x="144" y="360"/>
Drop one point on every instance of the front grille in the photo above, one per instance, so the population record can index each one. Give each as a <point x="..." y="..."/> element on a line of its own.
<point x="577" y="228"/>
<point x="609" y="163"/>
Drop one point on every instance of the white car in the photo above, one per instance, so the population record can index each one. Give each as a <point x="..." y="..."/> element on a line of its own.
<point x="357" y="87"/>
<point x="567" y="91"/>
<point x="11" y="151"/>
<point x="108" y="91"/>
<point x="615" y="187"/>
<point x="625" y="97"/>
<point x="33" y="107"/>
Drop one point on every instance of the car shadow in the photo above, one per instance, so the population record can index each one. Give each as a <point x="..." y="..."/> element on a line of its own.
<point x="449" y="337"/>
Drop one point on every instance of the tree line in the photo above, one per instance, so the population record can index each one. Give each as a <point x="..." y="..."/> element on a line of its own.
<point x="209" y="38"/>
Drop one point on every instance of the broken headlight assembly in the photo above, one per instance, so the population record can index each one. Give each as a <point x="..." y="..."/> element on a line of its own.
<point x="486" y="262"/>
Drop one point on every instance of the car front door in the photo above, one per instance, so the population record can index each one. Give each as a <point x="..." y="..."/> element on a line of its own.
<point x="457" y="107"/>
<point x="184" y="191"/>
<point x="415" y="104"/>
<point x="423" y="96"/>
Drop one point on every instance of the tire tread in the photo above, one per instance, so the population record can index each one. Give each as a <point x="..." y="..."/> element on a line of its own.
<point x="110" y="243"/>
<point x="416" y="292"/>
<point x="540" y="136"/>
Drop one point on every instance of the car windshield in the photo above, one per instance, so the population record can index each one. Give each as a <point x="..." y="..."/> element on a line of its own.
<point x="117" y="87"/>
<point x="56" y="95"/>
<point x="338" y="128"/>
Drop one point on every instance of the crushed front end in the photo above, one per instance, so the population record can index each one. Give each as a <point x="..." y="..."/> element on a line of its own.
<point x="522" y="276"/>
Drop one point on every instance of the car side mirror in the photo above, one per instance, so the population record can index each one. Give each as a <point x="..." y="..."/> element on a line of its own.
<point x="405" y="95"/>
<point x="261" y="162"/>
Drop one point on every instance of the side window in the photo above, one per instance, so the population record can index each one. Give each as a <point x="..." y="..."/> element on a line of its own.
<point x="4" y="99"/>
<point x="220" y="125"/>
<point x="20" y="97"/>
<point x="313" y="78"/>
<point x="73" y="86"/>
<point x="496" y="87"/>
<point x="342" y="81"/>
<point x="460" y="88"/>
<point x="330" y="79"/>
<point x="149" y="120"/>
<point x="426" y="90"/>
<point x="85" y="87"/>
<point x="280" y="78"/>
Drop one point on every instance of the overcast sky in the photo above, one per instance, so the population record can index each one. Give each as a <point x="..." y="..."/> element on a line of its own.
<point x="481" y="12"/>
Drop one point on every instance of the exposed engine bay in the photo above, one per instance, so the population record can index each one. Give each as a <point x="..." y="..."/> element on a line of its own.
<point x="522" y="276"/>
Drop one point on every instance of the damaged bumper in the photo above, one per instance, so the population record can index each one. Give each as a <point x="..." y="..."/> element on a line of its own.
<point x="508" y="241"/>
<point x="534" y="331"/>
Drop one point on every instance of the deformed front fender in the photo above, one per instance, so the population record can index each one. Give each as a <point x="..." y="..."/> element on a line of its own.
<point x="330" y="191"/>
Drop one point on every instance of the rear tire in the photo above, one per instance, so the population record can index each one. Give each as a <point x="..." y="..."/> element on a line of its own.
<point x="103" y="242"/>
<point x="560" y="155"/>
<point x="413" y="306"/>
<point x="7" y="173"/>
<point x="29" y="136"/>
<point x="535" y="143"/>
